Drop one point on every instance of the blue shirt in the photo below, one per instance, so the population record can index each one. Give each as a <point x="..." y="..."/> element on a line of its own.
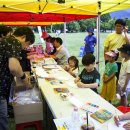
<point x="90" y="41"/>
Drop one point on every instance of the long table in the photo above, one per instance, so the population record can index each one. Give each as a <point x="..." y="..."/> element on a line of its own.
<point x="63" y="109"/>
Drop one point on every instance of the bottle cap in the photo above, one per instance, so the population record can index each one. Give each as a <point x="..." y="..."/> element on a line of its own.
<point x="75" y="108"/>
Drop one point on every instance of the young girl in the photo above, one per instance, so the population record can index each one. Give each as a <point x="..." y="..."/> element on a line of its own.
<point x="109" y="77"/>
<point x="73" y="66"/>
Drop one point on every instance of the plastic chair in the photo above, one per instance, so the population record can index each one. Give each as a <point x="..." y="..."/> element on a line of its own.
<point x="36" y="124"/>
<point x="124" y="109"/>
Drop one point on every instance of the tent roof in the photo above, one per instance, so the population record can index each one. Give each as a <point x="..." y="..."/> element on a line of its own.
<point x="19" y="23"/>
<point x="47" y="17"/>
<point x="84" y="7"/>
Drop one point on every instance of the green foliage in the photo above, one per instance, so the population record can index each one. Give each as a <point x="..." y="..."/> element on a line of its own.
<point x="73" y="26"/>
<point x="88" y="23"/>
<point x="105" y="17"/>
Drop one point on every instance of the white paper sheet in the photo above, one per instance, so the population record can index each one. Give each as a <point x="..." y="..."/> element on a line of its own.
<point x="75" y="101"/>
<point x="40" y="72"/>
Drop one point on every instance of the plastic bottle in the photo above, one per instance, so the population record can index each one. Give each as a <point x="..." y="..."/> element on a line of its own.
<point x="75" y="119"/>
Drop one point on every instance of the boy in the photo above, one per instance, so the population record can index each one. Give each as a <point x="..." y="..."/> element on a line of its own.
<point x="124" y="77"/>
<point x="89" y="77"/>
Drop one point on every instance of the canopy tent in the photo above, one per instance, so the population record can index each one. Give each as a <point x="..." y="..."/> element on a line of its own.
<point x="70" y="7"/>
<point x="47" y="17"/>
<point x="29" y="23"/>
<point x="84" y="7"/>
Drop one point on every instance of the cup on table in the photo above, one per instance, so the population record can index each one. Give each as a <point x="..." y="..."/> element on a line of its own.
<point x="89" y="127"/>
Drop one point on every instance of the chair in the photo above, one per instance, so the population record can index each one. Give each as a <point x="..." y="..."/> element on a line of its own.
<point x="123" y="109"/>
<point x="36" y="124"/>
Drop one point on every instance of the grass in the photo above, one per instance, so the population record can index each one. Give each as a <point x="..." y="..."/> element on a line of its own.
<point x="73" y="43"/>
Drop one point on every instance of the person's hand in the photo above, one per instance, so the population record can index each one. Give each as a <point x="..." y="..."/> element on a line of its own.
<point x="116" y="120"/>
<point x="125" y="29"/>
<point x="105" y="78"/>
<point x="127" y="126"/>
<point x="80" y="84"/>
<point x="123" y="89"/>
<point x="67" y="68"/>
<point x="26" y="82"/>
<point x="77" y="80"/>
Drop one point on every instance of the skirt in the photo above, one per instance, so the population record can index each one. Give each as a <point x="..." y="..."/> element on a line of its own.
<point x="109" y="90"/>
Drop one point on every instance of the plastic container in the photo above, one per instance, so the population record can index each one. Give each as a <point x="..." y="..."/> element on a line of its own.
<point x="75" y="119"/>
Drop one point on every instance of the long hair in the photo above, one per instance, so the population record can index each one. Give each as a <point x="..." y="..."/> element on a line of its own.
<point x="73" y="58"/>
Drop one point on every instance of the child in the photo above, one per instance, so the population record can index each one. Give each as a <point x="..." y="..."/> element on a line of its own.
<point x="109" y="77"/>
<point x="73" y="66"/>
<point x="124" y="77"/>
<point x="89" y="77"/>
<point x="47" y="38"/>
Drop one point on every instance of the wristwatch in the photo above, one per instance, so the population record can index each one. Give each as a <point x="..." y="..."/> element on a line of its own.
<point x="23" y="77"/>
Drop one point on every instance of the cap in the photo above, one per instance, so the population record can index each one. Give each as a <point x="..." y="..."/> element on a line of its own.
<point x="125" y="48"/>
<point x="45" y="35"/>
<point x="110" y="53"/>
<point x="90" y="30"/>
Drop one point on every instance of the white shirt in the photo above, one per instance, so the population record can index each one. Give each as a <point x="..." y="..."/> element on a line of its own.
<point x="125" y="69"/>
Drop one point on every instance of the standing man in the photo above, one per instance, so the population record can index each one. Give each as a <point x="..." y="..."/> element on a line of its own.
<point x="10" y="51"/>
<point x="116" y="40"/>
<point x="90" y="42"/>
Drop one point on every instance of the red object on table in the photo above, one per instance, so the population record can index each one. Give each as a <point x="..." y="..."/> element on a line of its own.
<point x="124" y="109"/>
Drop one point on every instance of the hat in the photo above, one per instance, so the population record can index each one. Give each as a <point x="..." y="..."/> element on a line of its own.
<point x="90" y="30"/>
<point x="125" y="48"/>
<point x="110" y="53"/>
<point x="45" y="35"/>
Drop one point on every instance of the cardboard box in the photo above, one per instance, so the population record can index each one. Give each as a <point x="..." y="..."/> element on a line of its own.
<point x="28" y="112"/>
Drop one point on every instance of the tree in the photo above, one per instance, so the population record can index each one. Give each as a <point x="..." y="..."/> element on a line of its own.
<point x="104" y="21"/>
<point x="73" y="26"/>
<point x="88" y="23"/>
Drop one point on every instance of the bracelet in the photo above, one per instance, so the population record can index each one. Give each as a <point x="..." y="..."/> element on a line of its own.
<point x="23" y="77"/>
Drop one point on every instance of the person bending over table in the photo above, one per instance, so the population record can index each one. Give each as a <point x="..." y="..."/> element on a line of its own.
<point x="89" y="77"/>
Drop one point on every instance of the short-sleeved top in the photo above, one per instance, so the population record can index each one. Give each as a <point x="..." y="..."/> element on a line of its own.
<point x="75" y="71"/>
<point x="90" y="41"/>
<point x="115" y="41"/>
<point x="111" y="68"/>
<point x="62" y="56"/>
<point x="90" y="77"/>
<point x="125" y="69"/>
<point x="9" y="47"/>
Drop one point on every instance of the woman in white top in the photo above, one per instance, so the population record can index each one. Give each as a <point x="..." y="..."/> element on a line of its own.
<point x="73" y="66"/>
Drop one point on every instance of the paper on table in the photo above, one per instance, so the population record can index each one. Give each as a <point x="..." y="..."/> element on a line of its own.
<point x="71" y="84"/>
<point x="112" y="126"/>
<point x="75" y="101"/>
<point x="40" y="72"/>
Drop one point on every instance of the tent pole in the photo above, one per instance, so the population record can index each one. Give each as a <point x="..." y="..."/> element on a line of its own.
<point x="98" y="41"/>
<point x="40" y="33"/>
<point x="64" y="33"/>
